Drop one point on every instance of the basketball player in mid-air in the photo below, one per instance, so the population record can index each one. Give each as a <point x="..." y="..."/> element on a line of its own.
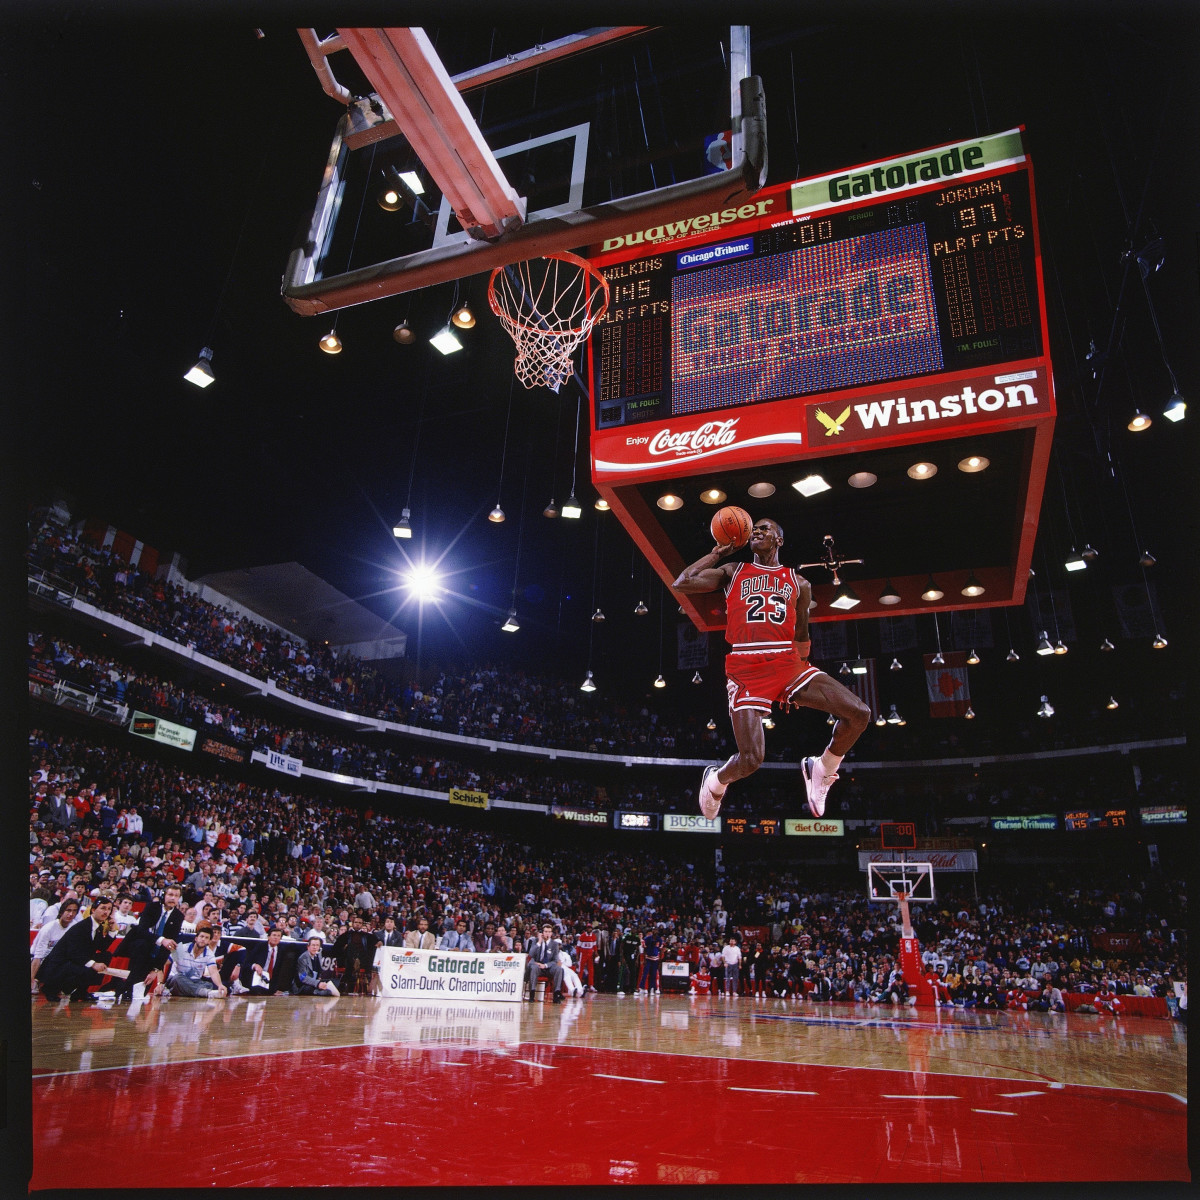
<point x="766" y="625"/>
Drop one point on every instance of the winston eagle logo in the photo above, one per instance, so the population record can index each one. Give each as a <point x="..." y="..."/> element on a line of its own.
<point x="833" y="424"/>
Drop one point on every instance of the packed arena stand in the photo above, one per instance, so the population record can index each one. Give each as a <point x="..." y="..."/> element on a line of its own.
<point x="506" y="705"/>
<point x="52" y="659"/>
<point x="236" y="848"/>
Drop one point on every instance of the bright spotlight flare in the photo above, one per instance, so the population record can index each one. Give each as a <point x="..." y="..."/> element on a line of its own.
<point x="424" y="581"/>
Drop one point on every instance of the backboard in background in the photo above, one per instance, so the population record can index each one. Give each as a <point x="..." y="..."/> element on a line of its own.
<point x="593" y="134"/>
<point x="891" y="881"/>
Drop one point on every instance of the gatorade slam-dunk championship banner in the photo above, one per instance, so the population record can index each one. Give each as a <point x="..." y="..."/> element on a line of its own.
<point x="450" y="975"/>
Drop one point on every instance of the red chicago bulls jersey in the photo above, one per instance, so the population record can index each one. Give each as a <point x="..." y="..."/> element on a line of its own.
<point x="760" y="607"/>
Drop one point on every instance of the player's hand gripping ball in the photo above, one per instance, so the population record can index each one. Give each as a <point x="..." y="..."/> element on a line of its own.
<point x="731" y="526"/>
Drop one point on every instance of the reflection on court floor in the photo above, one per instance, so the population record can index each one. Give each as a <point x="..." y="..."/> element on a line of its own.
<point x="601" y="1090"/>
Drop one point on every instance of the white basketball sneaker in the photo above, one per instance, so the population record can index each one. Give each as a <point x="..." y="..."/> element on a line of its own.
<point x="817" y="784"/>
<point x="710" y="798"/>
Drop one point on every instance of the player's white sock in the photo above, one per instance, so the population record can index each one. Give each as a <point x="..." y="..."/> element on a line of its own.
<point x="830" y="762"/>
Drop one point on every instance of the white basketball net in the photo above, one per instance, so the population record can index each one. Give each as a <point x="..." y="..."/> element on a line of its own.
<point x="548" y="306"/>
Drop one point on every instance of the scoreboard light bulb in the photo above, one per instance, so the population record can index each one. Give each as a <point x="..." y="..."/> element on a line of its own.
<point x="761" y="490"/>
<point x="669" y="501"/>
<point x="713" y="496"/>
<point x="922" y="470"/>
<point x="974" y="463"/>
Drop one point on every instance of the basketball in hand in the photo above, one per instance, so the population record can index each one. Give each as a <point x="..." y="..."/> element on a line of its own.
<point x="731" y="526"/>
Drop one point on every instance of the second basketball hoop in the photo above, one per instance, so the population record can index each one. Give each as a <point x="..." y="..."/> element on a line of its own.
<point x="548" y="306"/>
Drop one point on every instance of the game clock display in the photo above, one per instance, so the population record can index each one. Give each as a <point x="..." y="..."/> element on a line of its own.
<point x="934" y="281"/>
<point x="1090" y="818"/>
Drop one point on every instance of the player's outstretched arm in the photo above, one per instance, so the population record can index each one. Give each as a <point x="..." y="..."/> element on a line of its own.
<point x="704" y="575"/>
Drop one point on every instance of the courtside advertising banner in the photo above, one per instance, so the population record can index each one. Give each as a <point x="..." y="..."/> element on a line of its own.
<point x="675" y="970"/>
<point x="807" y="827"/>
<point x="158" y="730"/>
<point x="450" y="974"/>
<point x="1163" y="814"/>
<point x="690" y="823"/>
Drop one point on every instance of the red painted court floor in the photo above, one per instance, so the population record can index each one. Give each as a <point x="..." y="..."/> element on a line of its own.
<point x="567" y="1114"/>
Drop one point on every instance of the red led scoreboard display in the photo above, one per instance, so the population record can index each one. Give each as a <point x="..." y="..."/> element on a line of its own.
<point x="921" y="269"/>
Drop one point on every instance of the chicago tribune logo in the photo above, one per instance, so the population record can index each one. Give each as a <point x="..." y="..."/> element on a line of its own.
<point x="694" y="441"/>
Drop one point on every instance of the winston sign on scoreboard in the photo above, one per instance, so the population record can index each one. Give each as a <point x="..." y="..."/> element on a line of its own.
<point x="450" y="974"/>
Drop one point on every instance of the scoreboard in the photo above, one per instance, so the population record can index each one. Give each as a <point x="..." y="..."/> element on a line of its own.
<point x="1091" y="818"/>
<point x="771" y="826"/>
<point x="916" y="267"/>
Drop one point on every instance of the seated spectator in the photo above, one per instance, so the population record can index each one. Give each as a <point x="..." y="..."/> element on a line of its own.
<point x="79" y="958"/>
<point x="49" y="936"/>
<point x="194" y="969"/>
<point x="420" y="938"/>
<point x="260" y="968"/>
<point x="499" y="942"/>
<point x="457" y="938"/>
<point x="543" y="960"/>
<point x="308" y="981"/>
<point x="572" y="984"/>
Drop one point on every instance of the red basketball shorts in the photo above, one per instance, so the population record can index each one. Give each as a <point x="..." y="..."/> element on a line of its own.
<point x="756" y="681"/>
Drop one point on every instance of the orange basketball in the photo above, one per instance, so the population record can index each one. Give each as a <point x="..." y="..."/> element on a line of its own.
<point x="731" y="526"/>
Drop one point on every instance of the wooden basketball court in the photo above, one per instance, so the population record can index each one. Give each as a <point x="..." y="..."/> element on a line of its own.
<point x="599" y="1090"/>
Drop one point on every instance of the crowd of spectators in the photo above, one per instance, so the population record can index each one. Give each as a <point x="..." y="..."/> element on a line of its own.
<point x="57" y="658"/>
<point x="107" y="824"/>
<point x="476" y="701"/>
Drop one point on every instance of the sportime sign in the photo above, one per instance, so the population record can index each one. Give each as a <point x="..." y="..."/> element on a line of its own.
<point x="450" y="975"/>
<point x="157" y="730"/>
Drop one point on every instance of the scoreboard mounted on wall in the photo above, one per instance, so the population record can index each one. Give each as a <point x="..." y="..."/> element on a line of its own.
<point x="851" y="327"/>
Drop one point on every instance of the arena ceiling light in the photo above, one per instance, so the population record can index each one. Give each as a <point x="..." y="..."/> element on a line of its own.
<point x="897" y="665"/>
<point x="1044" y="647"/>
<point x="572" y="509"/>
<point x="445" y="340"/>
<point x="201" y="372"/>
<point x="973" y="659"/>
<point x="640" y="610"/>
<point x="863" y="479"/>
<point x="602" y="505"/>
<point x="880" y="720"/>
<point x="1160" y="642"/>
<point x="1138" y="421"/>
<point x="551" y="509"/>
<point x="932" y="591"/>
<point x="1106" y="646"/>
<point x="711" y="725"/>
<point x="889" y="595"/>
<point x="463" y="317"/>
<point x="511" y="624"/>
<point x="1075" y="561"/>
<point x="858" y="668"/>
<point x="1047" y="709"/>
<point x="1090" y="554"/>
<point x="1012" y="655"/>
<point x="1060" y="647"/>
<point x="973" y="587"/>
<point x="1112" y="703"/>
<point x="893" y="717"/>
<point x="660" y="682"/>
<point x="697" y="678"/>
<point x="845" y="598"/>
<point x="1147" y="559"/>
<point x="970" y="713"/>
<point x="403" y="333"/>
<point x="496" y="516"/>
<point x="423" y="581"/>
<point x="331" y="343"/>
<point x="922" y="470"/>
<point x="669" y="501"/>
<point x="403" y="527"/>
<point x="588" y="684"/>
<point x="1176" y="408"/>
<point x="760" y="491"/>
<point x="811" y="485"/>
<point x="973" y="464"/>
<point x="713" y="496"/>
